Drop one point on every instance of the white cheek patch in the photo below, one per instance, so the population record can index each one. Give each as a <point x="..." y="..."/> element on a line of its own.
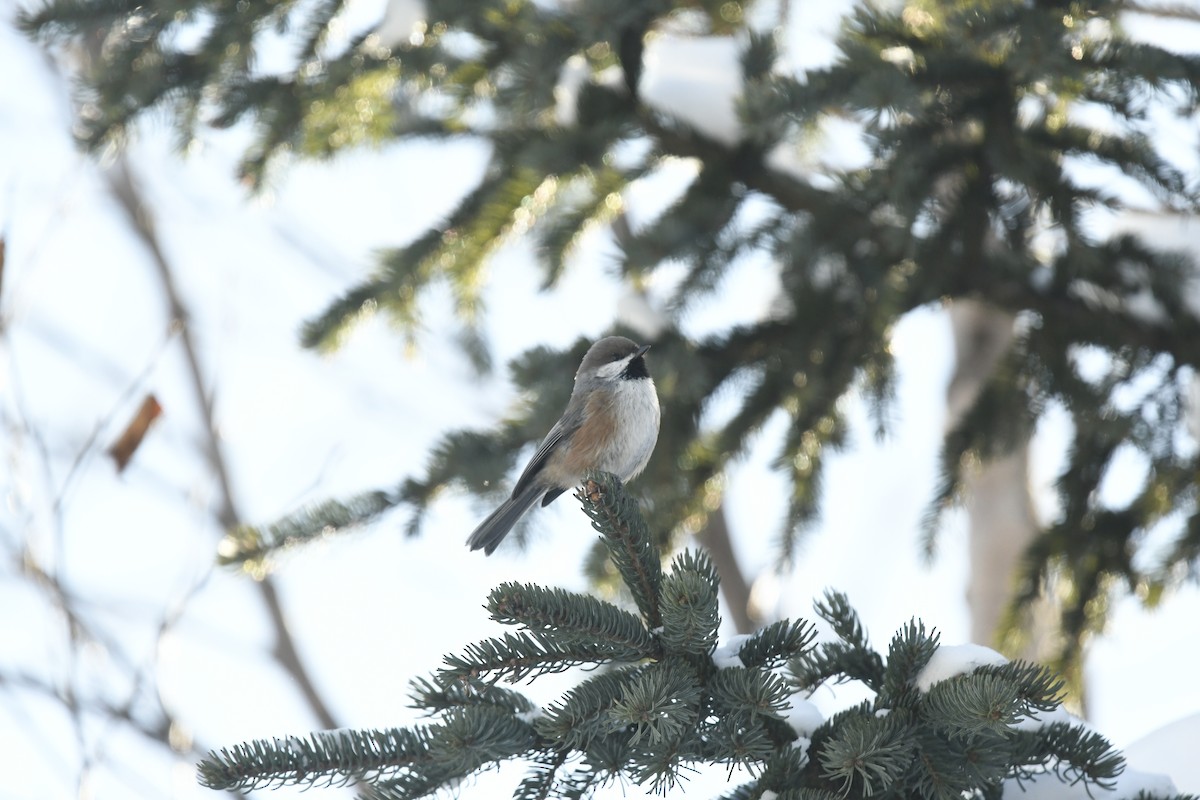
<point x="613" y="369"/>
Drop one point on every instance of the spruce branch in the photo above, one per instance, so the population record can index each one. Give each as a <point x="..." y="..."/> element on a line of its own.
<point x="467" y="738"/>
<point x="1173" y="11"/>
<point x="437" y="696"/>
<point x="849" y="659"/>
<point x="570" y="617"/>
<point x="707" y="205"/>
<point x="593" y="201"/>
<point x="750" y="693"/>
<point x="972" y="704"/>
<point x="734" y="742"/>
<point x="908" y="653"/>
<point x="1038" y="688"/>
<point x="660" y="704"/>
<point x="835" y="609"/>
<point x="252" y="548"/>
<point x="454" y="251"/>
<point x="628" y="541"/>
<point x="582" y="713"/>
<point x="318" y="26"/>
<point x="1073" y="753"/>
<point x="654" y="718"/>
<point x="466" y="741"/>
<point x="689" y="605"/>
<point x="543" y="780"/>
<point x="867" y="754"/>
<point x="947" y="767"/>
<point x="773" y="645"/>
<point x="517" y="656"/>
<point x="837" y="661"/>
<point x="323" y="758"/>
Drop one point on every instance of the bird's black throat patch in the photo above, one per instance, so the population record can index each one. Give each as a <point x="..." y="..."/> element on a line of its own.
<point x="635" y="369"/>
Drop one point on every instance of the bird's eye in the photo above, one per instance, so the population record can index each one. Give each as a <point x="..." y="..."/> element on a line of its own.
<point x="616" y="357"/>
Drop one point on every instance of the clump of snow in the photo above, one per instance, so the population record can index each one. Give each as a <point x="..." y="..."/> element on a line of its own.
<point x="727" y="653"/>
<point x="803" y="717"/>
<point x="299" y="748"/>
<point x="1044" y="718"/>
<point x="530" y="715"/>
<point x="802" y="744"/>
<point x="1171" y="750"/>
<point x="951" y="660"/>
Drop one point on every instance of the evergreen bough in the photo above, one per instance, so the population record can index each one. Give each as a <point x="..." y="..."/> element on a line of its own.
<point x="662" y="705"/>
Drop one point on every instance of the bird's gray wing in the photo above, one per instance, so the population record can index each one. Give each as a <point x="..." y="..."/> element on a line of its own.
<point x="566" y="425"/>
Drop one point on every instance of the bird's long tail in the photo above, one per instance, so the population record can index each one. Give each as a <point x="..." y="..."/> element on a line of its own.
<point x="493" y="529"/>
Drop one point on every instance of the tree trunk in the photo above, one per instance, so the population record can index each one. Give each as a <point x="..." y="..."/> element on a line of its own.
<point x="1001" y="519"/>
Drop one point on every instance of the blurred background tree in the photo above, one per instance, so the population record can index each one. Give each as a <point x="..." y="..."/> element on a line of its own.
<point x="972" y="154"/>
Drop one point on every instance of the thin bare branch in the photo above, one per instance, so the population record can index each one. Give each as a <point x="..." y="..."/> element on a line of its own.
<point x="122" y="184"/>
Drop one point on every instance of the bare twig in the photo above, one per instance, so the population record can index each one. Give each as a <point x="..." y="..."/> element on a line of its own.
<point x="121" y="182"/>
<point x="48" y="578"/>
<point x="71" y="689"/>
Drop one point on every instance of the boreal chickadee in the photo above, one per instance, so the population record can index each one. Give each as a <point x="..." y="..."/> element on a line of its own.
<point x="610" y="424"/>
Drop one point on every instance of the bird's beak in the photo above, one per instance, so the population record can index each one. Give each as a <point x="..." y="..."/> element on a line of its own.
<point x="641" y="351"/>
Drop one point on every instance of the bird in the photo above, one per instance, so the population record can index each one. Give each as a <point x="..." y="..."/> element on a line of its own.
<point x="610" y="424"/>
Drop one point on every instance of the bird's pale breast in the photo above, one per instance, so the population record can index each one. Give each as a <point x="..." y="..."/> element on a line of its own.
<point x="618" y="435"/>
